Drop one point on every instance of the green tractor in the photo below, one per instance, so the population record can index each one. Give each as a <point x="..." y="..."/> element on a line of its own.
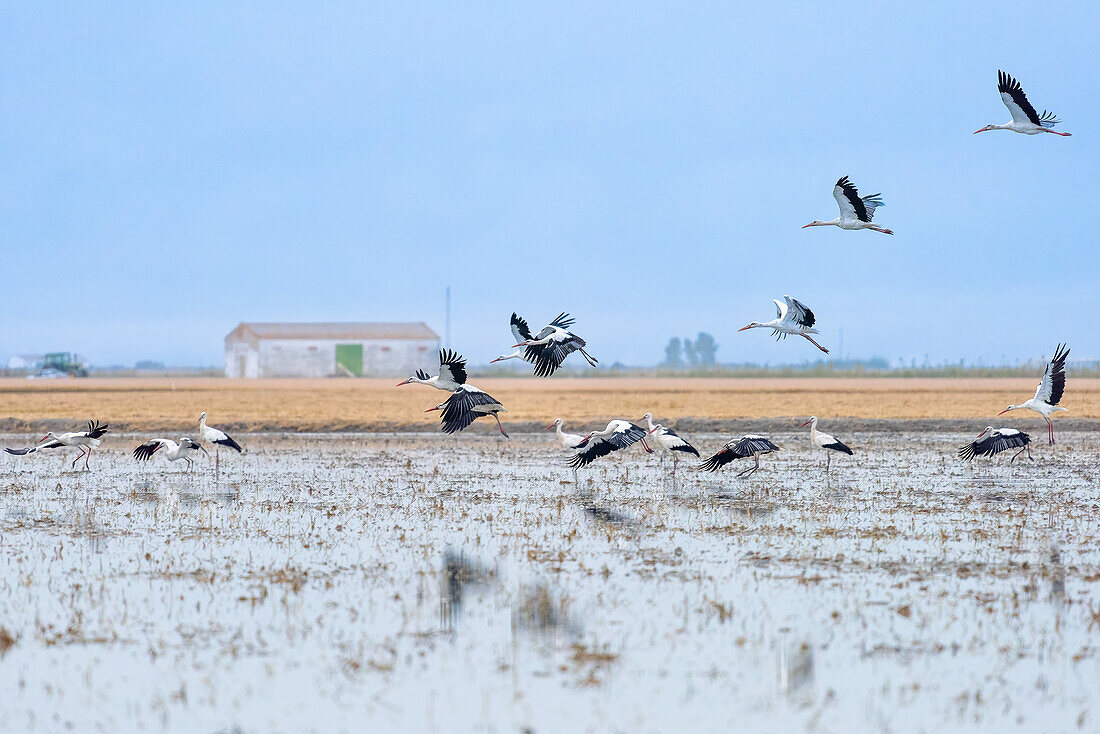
<point x="66" y="362"/>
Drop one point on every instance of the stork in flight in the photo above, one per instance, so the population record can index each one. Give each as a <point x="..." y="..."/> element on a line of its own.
<point x="667" y="441"/>
<point x="824" y="441"/>
<point x="748" y="445"/>
<point x="84" y="441"/>
<point x="218" y="438"/>
<point x="619" y="434"/>
<point x="452" y="373"/>
<point x="467" y="404"/>
<point x="1024" y="117"/>
<point x="794" y="318"/>
<point x="993" y="441"/>
<point x="855" y="212"/>
<point x="1049" y="392"/>
<point x="170" y="450"/>
<point x="547" y="349"/>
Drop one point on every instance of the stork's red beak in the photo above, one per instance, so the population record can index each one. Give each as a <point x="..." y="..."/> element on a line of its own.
<point x="550" y="426"/>
<point x="749" y="327"/>
<point x="804" y="424"/>
<point x="429" y="410"/>
<point x="1003" y="411"/>
<point x="521" y="344"/>
<point x="978" y="131"/>
<point x="494" y="360"/>
<point x="403" y="382"/>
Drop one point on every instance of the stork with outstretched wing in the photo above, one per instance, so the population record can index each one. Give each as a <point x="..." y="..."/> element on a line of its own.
<point x="856" y="212"/>
<point x="793" y="318"/>
<point x="1025" y="119"/>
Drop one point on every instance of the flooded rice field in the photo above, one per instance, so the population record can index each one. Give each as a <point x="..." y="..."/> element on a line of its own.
<point x="432" y="583"/>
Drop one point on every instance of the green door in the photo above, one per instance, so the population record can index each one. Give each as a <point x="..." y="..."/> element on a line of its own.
<point x="349" y="357"/>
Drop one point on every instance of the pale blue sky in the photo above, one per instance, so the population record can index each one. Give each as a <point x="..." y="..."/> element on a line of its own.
<point x="168" y="172"/>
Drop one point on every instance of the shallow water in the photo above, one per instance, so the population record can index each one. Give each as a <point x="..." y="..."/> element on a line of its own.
<point x="436" y="583"/>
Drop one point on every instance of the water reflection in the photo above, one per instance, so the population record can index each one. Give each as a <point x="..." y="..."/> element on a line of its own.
<point x="458" y="573"/>
<point x="544" y="613"/>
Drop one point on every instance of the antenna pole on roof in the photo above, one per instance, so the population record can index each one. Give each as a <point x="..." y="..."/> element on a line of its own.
<point x="447" y="330"/>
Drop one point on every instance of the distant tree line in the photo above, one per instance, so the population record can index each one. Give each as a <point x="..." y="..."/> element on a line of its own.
<point x="681" y="353"/>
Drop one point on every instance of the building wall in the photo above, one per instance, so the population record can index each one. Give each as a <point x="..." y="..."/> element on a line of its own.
<point x="317" y="358"/>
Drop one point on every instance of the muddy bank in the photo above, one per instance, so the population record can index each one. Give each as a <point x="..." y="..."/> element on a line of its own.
<point x="684" y="425"/>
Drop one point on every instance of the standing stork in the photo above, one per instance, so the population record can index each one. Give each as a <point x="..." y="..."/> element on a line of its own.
<point x="467" y="404"/>
<point x="549" y="348"/>
<point x="667" y="441"/>
<point x="618" y="435"/>
<point x="794" y="318"/>
<point x="452" y="373"/>
<point x="1024" y="117"/>
<point x="824" y="441"/>
<point x="84" y="441"/>
<point x="748" y="445"/>
<point x="993" y="441"/>
<point x="218" y="439"/>
<point x="568" y="441"/>
<point x="855" y="212"/>
<point x="170" y="450"/>
<point x="1049" y="392"/>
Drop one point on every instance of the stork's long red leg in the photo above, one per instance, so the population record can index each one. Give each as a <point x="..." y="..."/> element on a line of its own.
<point x="500" y="426"/>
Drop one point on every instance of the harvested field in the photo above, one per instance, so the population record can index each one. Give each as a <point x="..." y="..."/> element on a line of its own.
<point x="376" y="405"/>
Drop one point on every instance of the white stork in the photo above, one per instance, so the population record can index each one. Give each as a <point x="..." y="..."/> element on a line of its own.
<point x="549" y="348"/>
<point x="467" y="404"/>
<point x="667" y="441"/>
<point x="748" y="445"/>
<point x="218" y="439"/>
<point x="1024" y="117"/>
<point x="568" y="441"/>
<point x="855" y="212"/>
<point x="824" y="441"/>
<point x="993" y="441"/>
<point x="1049" y="392"/>
<point x="794" y="318"/>
<point x="83" y="441"/>
<point x="452" y="373"/>
<point x="170" y="450"/>
<point x="618" y="435"/>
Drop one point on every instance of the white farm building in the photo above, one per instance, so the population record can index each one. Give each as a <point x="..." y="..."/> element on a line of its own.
<point x="326" y="350"/>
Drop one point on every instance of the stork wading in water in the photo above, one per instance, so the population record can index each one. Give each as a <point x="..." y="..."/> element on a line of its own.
<point x="794" y="318"/>
<point x="855" y="212"/>
<point x="568" y="441"/>
<point x="823" y="440"/>
<point x="1024" y="117"/>
<point x="667" y="441"/>
<point x="218" y="438"/>
<point x="618" y="435"/>
<point x="1049" y="393"/>
<point x="993" y="441"/>
<point x="452" y="373"/>
<point x="170" y="450"/>
<point x="749" y="445"/>
<point x="84" y="442"/>
<point x="549" y="348"/>
<point x="467" y="404"/>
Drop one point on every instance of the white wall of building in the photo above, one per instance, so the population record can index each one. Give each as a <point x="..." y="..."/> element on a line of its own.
<point x="317" y="357"/>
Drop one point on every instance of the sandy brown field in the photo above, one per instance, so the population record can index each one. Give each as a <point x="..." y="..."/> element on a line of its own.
<point x="319" y="405"/>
